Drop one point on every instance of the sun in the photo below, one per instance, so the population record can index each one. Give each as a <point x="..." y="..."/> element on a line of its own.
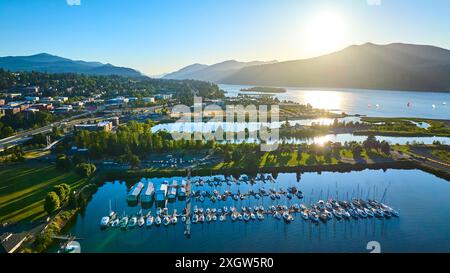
<point x="323" y="33"/>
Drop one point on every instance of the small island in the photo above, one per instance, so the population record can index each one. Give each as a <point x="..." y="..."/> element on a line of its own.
<point x="264" y="89"/>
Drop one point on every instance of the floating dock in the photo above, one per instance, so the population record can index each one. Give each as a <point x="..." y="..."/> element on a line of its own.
<point x="135" y="191"/>
<point x="148" y="193"/>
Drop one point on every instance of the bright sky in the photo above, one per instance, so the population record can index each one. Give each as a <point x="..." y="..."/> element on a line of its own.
<point x="157" y="36"/>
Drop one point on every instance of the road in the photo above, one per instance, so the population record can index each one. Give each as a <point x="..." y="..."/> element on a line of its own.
<point x="23" y="136"/>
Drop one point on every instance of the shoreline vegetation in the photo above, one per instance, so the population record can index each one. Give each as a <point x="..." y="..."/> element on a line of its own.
<point x="264" y="89"/>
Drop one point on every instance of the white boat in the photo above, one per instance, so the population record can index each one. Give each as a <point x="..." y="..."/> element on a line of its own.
<point x="239" y="216"/>
<point x="260" y="216"/>
<point x="115" y="222"/>
<point x="174" y="219"/>
<point x="221" y="218"/>
<point x="132" y="222"/>
<point x="233" y="217"/>
<point x="208" y="218"/>
<point x="104" y="221"/>
<point x="158" y="220"/>
<point x="149" y="221"/>
<point x="194" y="218"/>
<point x="166" y="220"/>
<point x="141" y="221"/>
<point x="252" y="216"/>
<point x="246" y="217"/>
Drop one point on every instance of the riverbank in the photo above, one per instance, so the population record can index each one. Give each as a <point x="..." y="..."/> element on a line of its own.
<point x="132" y="175"/>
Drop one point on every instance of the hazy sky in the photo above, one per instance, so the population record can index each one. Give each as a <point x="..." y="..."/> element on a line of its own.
<point x="156" y="36"/>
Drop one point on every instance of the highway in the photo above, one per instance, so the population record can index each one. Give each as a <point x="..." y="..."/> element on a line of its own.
<point x="23" y="136"/>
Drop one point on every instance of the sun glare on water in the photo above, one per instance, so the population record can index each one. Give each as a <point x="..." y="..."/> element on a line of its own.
<point x="323" y="33"/>
<point x="329" y="100"/>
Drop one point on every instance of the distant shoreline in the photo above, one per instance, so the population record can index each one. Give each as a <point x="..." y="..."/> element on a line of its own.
<point x="263" y="89"/>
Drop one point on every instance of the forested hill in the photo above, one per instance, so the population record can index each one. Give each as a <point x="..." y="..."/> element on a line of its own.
<point x="72" y="85"/>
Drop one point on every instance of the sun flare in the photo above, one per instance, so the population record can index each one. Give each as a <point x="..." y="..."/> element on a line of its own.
<point x="324" y="32"/>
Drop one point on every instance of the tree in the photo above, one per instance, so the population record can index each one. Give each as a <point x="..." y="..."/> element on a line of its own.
<point x="63" y="163"/>
<point x="356" y="150"/>
<point x="51" y="202"/>
<point x="85" y="169"/>
<point x="385" y="147"/>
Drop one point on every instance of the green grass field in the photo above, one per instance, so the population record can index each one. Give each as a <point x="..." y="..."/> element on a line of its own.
<point x="23" y="189"/>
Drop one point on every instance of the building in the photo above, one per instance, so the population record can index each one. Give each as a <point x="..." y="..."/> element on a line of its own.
<point x="32" y="98"/>
<point x="63" y="109"/>
<point x="9" y="110"/>
<point x="163" y="96"/>
<point x="43" y="106"/>
<point x="29" y="90"/>
<point x="148" y="99"/>
<point x="95" y="127"/>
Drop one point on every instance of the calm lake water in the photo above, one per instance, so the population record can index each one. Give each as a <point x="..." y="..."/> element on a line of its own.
<point x="208" y="127"/>
<point x="377" y="103"/>
<point x="421" y="198"/>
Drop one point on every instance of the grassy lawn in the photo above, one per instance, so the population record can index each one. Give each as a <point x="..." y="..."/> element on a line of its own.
<point x="35" y="154"/>
<point x="23" y="189"/>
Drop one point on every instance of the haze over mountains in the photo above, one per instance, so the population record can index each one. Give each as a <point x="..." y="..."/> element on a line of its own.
<point x="369" y="66"/>
<point x="44" y="62"/>
<point x="213" y="73"/>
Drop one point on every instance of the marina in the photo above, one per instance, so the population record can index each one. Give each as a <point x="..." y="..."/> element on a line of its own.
<point x="337" y="212"/>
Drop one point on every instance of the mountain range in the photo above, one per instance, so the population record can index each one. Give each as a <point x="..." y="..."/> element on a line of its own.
<point x="212" y="73"/>
<point x="44" y="62"/>
<point x="394" y="66"/>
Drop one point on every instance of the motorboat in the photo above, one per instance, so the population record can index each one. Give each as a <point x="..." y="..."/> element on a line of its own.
<point x="246" y="217"/>
<point x="362" y="213"/>
<point x="214" y="217"/>
<point x="149" y="221"/>
<point x="166" y="220"/>
<point x="299" y="194"/>
<point x="104" y="222"/>
<point x="194" y="218"/>
<point x="337" y="214"/>
<point x="378" y="213"/>
<point x="260" y="216"/>
<point x="132" y="222"/>
<point x="233" y="216"/>
<point x="323" y="216"/>
<point x="141" y="221"/>
<point x="115" y="222"/>
<point x="368" y="212"/>
<point x="277" y="215"/>
<point x="174" y="219"/>
<point x="304" y="215"/>
<point x="252" y="216"/>
<point x="158" y="220"/>
<point x="240" y="217"/>
<point x="344" y="213"/>
<point x="353" y="213"/>
<point x="221" y="218"/>
<point x="313" y="216"/>
<point x="124" y="222"/>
